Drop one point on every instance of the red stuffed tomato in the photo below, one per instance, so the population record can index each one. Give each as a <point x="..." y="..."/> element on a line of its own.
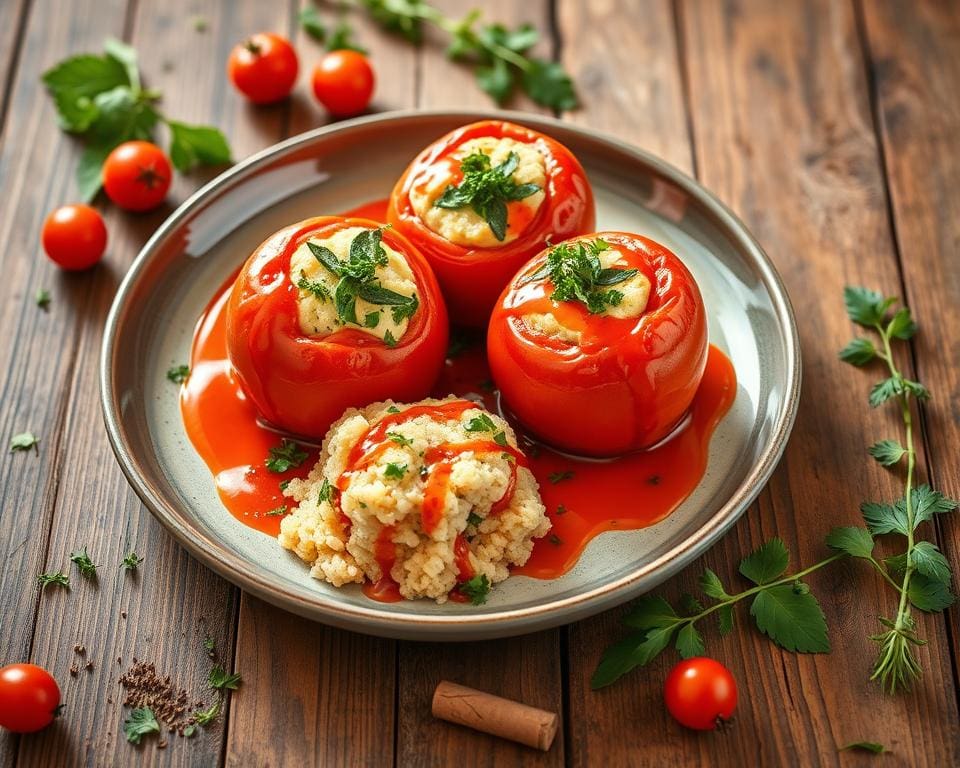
<point x="331" y="313"/>
<point x="481" y="201"/>
<point x="598" y="344"/>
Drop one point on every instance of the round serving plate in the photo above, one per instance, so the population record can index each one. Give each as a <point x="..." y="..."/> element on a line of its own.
<point x="338" y="167"/>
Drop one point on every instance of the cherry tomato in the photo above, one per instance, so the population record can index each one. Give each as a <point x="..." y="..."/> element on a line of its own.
<point x="472" y="277"/>
<point x="303" y="383"/>
<point x="264" y="67"/>
<point x="624" y="383"/>
<point x="74" y="236"/>
<point x="700" y="693"/>
<point x="29" y="698"/>
<point x="137" y="175"/>
<point x="343" y="82"/>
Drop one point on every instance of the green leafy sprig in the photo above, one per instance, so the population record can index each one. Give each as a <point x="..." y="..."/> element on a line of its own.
<point x="340" y="39"/>
<point x="287" y="455"/>
<point x="782" y="606"/>
<point x="102" y="99"/>
<point x="499" y="56"/>
<point x="487" y="190"/>
<point x="142" y="721"/>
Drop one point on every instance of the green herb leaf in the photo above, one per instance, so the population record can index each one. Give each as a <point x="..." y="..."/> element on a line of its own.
<point x="206" y="716"/>
<point x="377" y="294"/>
<point x="89" y="173"/>
<point x="341" y="39"/>
<point x="884" y="390"/>
<point x="712" y="586"/>
<point x="476" y="589"/>
<point x="372" y="319"/>
<point x="131" y="562"/>
<point x="345" y="300"/>
<point x="326" y="491"/>
<point x="42" y="298"/>
<point x="277" y="511"/>
<point x="141" y="722"/>
<point x="220" y="680"/>
<point x="689" y="642"/>
<point x="766" y="563"/>
<point x="792" y="619"/>
<point x="399" y="439"/>
<point x="651" y="612"/>
<point x="286" y="456"/>
<point x="319" y="290"/>
<point x="548" y="84"/>
<point x="500" y="438"/>
<point x="74" y="83"/>
<point x="856" y="542"/>
<point x="690" y="605"/>
<point x="858" y="352"/>
<point x="388" y="339"/>
<point x="559" y="477"/>
<point x="193" y="145"/>
<point x="887" y="452"/>
<point x="178" y="373"/>
<point x="901" y="326"/>
<point x="24" y="442"/>
<point x="395" y="471"/>
<point x="865" y="746"/>
<point x="929" y="561"/>
<point x="929" y="594"/>
<point x="927" y="503"/>
<point x="575" y="270"/>
<point x="865" y="307"/>
<point x="84" y="564"/>
<point x="474" y="519"/>
<point x="127" y="57"/>
<point x="725" y="618"/>
<point x="481" y="423"/>
<point x="635" y="650"/>
<point x="885" y="518"/>
<point x="311" y="23"/>
<point x="916" y="389"/>
<point x="327" y="258"/>
<point x="58" y="578"/>
<point x="496" y="80"/>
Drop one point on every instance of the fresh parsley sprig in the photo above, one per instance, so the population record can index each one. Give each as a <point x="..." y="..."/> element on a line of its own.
<point x="782" y="606"/>
<point x="287" y="455"/>
<point x="142" y="721"/>
<point x="102" y="99"/>
<point x="500" y="56"/>
<point x="476" y="589"/>
<point x="487" y="190"/>
<point x="577" y="275"/>
<point x="84" y="564"/>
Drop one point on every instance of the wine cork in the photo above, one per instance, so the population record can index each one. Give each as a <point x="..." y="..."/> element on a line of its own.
<point x="491" y="714"/>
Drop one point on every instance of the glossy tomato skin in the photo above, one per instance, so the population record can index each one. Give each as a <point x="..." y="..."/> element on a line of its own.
<point x="700" y="693"/>
<point x="343" y="82"/>
<point x="264" y="67"/>
<point x="74" y="236"/>
<point x="472" y="278"/>
<point x="29" y="698"/>
<point x="137" y="176"/>
<point x="628" y="383"/>
<point x="303" y="384"/>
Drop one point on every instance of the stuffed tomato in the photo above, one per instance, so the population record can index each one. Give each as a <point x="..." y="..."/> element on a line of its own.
<point x="331" y="313"/>
<point x="598" y="344"/>
<point x="484" y="199"/>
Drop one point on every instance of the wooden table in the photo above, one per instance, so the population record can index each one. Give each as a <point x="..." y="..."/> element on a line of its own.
<point x="832" y="128"/>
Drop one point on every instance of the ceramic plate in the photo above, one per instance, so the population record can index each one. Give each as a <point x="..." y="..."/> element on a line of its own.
<point x="338" y="167"/>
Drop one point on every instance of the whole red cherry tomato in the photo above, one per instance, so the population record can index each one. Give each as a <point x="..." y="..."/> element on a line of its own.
<point x="29" y="698"/>
<point x="74" y="236"/>
<point x="700" y="693"/>
<point x="264" y="67"/>
<point x="137" y="176"/>
<point x="597" y="384"/>
<point x="304" y="382"/>
<point x="343" y="82"/>
<point x="472" y="277"/>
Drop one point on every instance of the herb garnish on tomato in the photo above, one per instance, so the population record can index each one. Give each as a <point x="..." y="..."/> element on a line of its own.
<point x="487" y="190"/>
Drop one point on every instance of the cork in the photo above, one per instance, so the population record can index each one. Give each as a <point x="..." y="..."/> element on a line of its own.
<point x="494" y="715"/>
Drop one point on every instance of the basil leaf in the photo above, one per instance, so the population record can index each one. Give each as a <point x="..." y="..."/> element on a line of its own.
<point x="326" y="257"/>
<point x="90" y="170"/>
<point x="126" y="56"/>
<point x="496" y="216"/>
<point x="522" y="190"/>
<point x="613" y="276"/>
<point x="192" y="145"/>
<point x="453" y="197"/>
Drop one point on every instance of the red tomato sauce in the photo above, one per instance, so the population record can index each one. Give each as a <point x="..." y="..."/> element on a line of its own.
<point x="583" y="497"/>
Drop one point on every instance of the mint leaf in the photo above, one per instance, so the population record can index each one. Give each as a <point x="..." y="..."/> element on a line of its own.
<point x="651" y="612"/>
<point x="141" y="722"/>
<point x="548" y="84"/>
<point x="865" y="307"/>
<point x="928" y="502"/>
<point x="791" y="618"/>
<point x="858" y="352"/>
<point x="766" y="563"/>
<point x="192" y="145"/>
<point x="929" y="561"/>
<point x="711" y="585"/>
<point x="122" y="114"/>
<point x="928" y="594"/>
<point x="327" y="258"/>
<point x="74" y="83"/>
<point x="856" y="542"/>
<point x="689" y="642"/>
<point x="884" y="518"/>
<point x="635" y="650"/>
<point x="901" y="326"/>
<point x="887" y="452"/>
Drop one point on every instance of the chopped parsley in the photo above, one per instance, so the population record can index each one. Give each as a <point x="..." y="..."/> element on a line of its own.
<point x="577" y="275"/>
<point x="357" y="279"/>
<point x="277" y="511"/>
<point x="555" y="540"/>
<point x="178" y="373"/>
<point x="476" y="589"/>
<point x="326" y="491"/>
<point x="219" y="679"/>
<point x="286" y="456"/>
<point x="388" y="339"/>
<point x="561" y="509"/>
<point x="54" y="577"/>
<point x="24" y="442"/>
<point x="141" y="722"/>
<point x="474" y="519"/>
<point x="315" y="287"/>
<point x="205" y="716"/>
<point x="42" y="297"/>
<point x="399" y="439"/>
<point x="501" y="439"/>
<point x="393" y="409"/>
<point x="84" y="564"/>
<point x="284" y="484"/>
<point x="395" y="471"/>
<point x="487" y="190"/>
<point x="131" y="562"/>
<point x="559" y="477"/>
<point x="481" y="423"/>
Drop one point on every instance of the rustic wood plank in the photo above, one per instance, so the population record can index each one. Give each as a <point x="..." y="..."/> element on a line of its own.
<point x="783" y="133"/>
<point x="914" y="60"/>
<point x="163" y="614"/>
<point x="327" y="695"/>
<point x="526" y="668"/>
<point x="13" y="18"/>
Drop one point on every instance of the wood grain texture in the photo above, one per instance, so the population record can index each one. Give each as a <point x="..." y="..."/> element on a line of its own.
<point x="914" y="55"/>
<point x="326" y="696"/>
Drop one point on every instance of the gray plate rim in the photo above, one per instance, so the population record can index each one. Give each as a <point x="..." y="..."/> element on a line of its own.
<point x="237" y="569"/>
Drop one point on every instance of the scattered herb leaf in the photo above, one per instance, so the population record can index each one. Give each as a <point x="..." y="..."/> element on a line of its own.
<point x="287" y="455"/>
<point x="42" y="298"/>
<point x="395" y="471"/>
<point x="476" y="589"/>
<point x="141" y="722"/>
<point x="131" y="562"/>
<point x="24" y="442"/>
<point x="559" y="477"/>
<point x="84" y="564"/>
<point x="59" y="578"/>
<point x="178" y="373"/>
